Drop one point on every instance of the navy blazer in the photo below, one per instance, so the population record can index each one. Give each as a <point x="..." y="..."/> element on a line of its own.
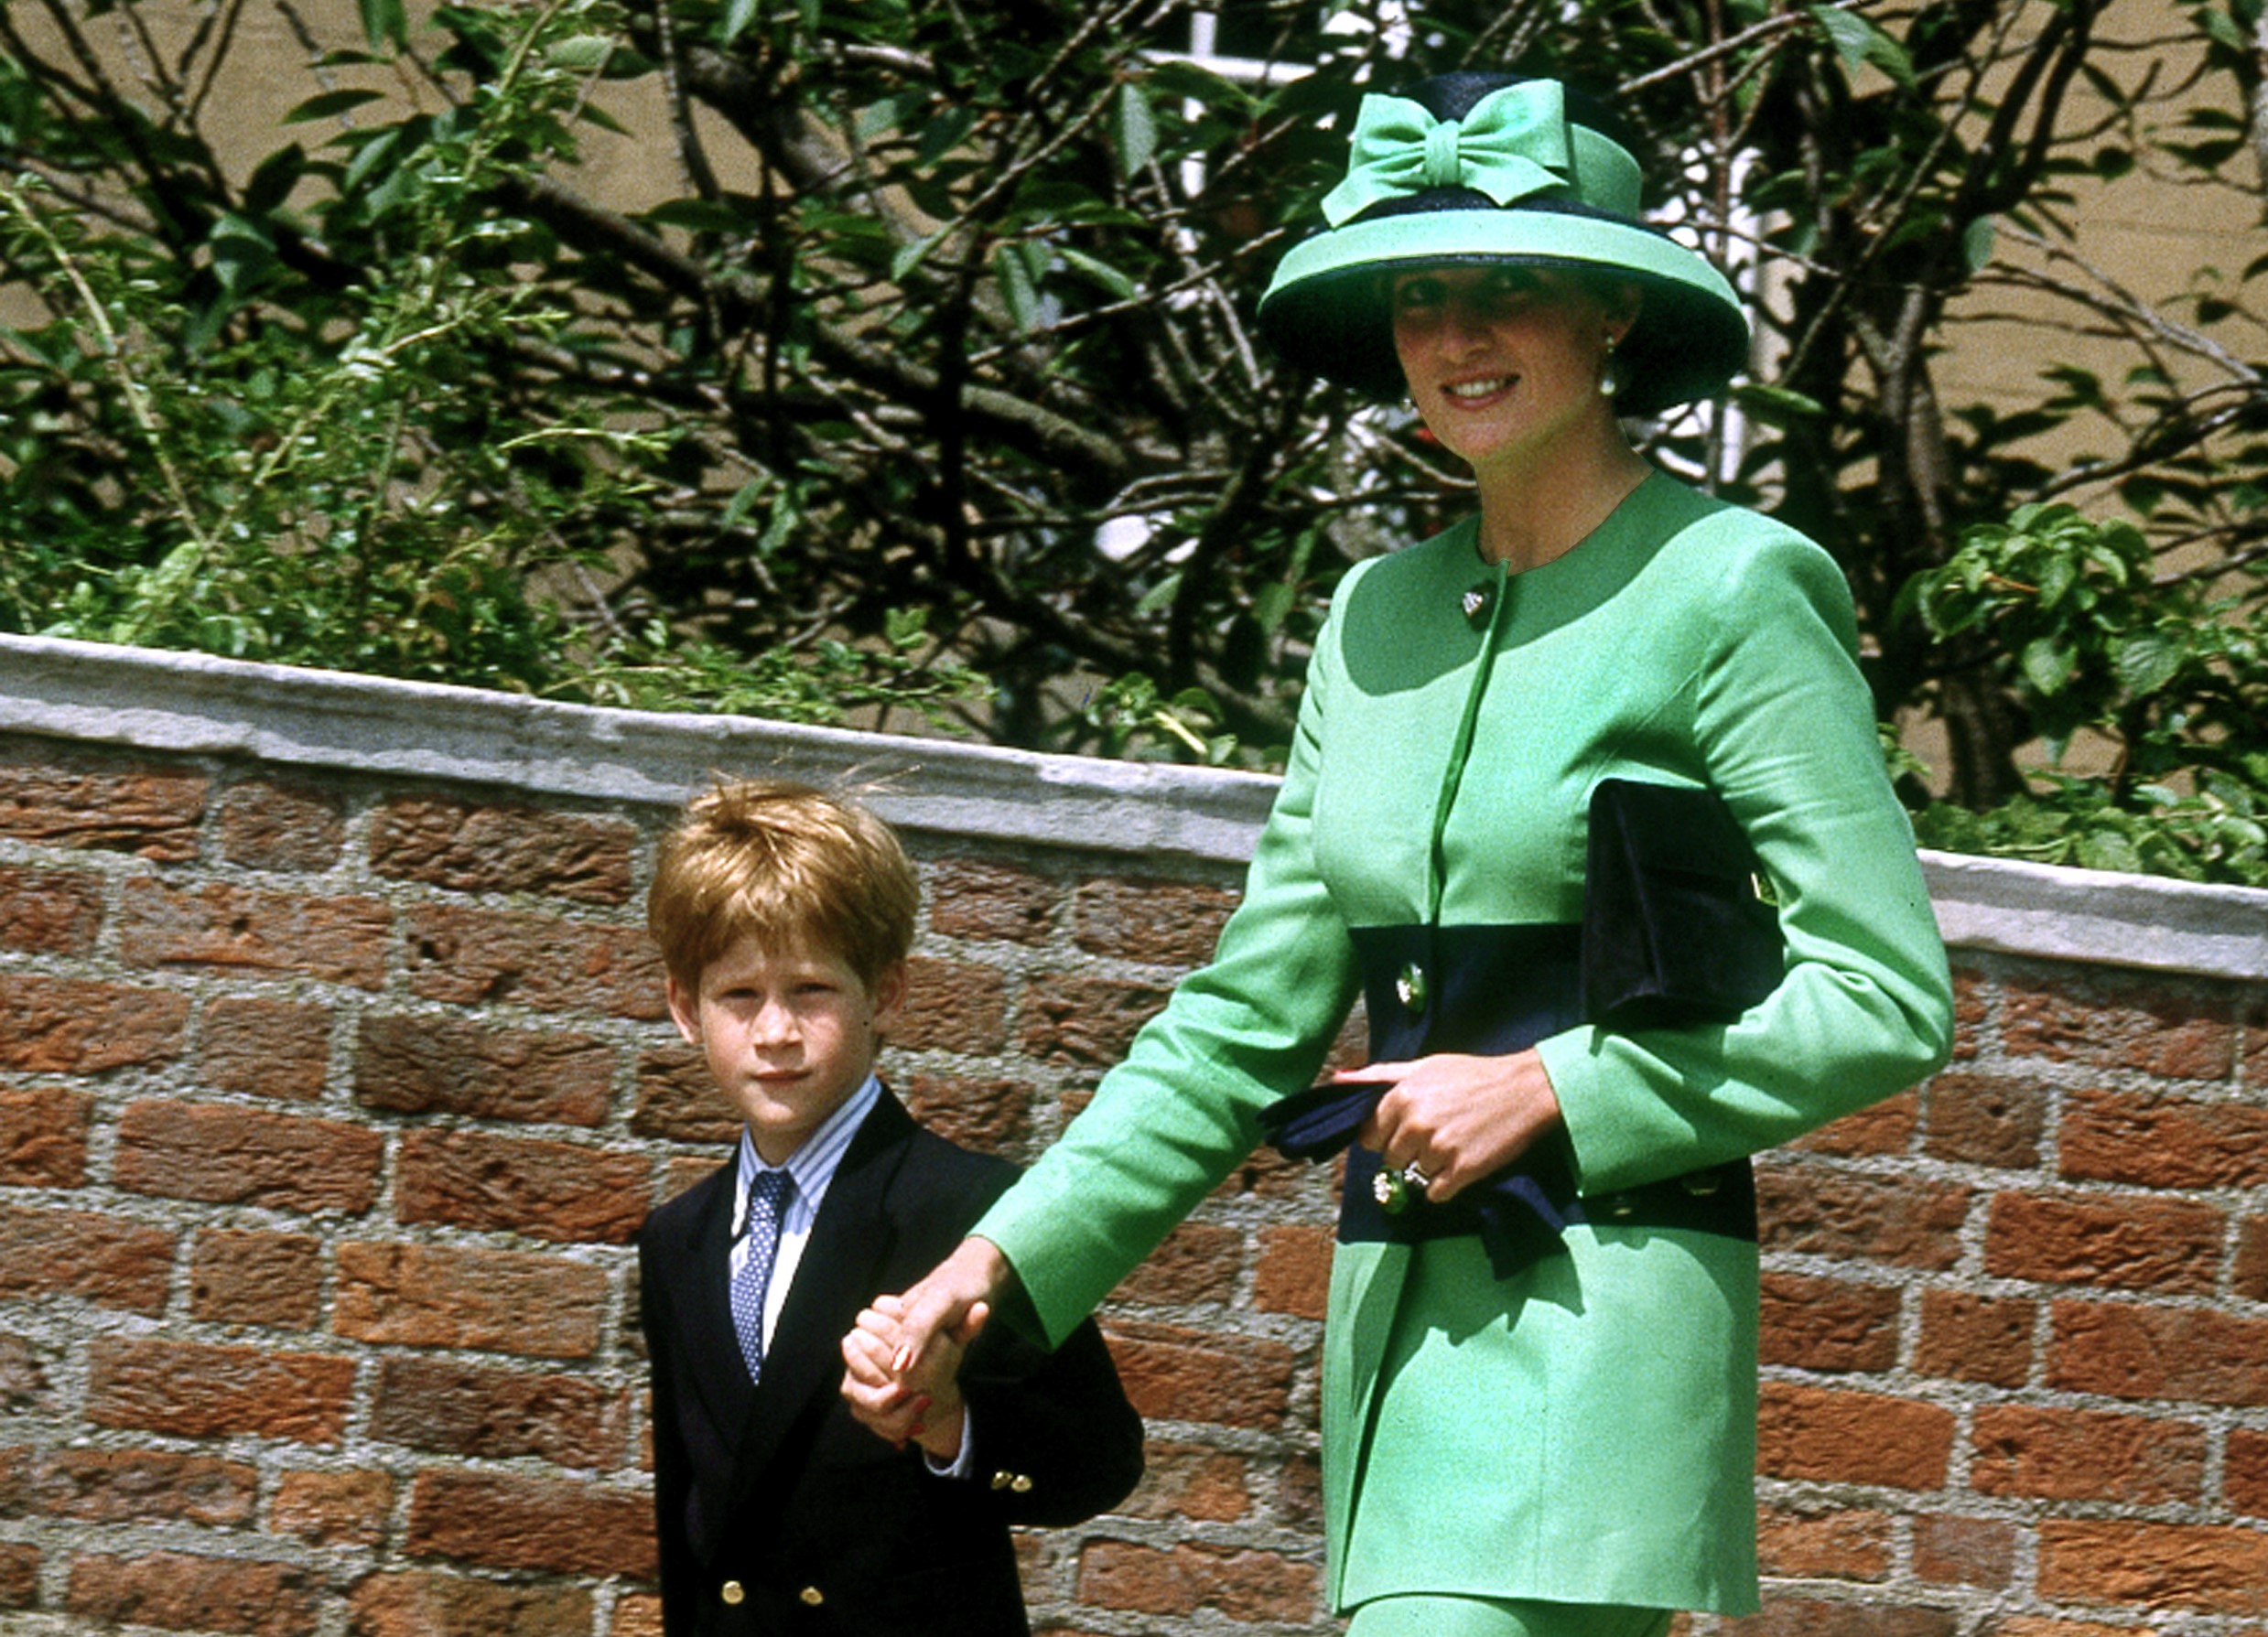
<point x="776" y="1511"/>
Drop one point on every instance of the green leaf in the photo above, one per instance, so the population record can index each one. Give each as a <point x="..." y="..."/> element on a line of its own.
<point x="2048" y="665"/>
<point x="1976" y="244"/>
<point x="384" y="23"/>
<point x="329" y="105"/>
<point x="2147" y="662"/>
<point x="1133" y="129"/>
<point x="911" y="256"/>
<point x="1101" y="271"/>
<point x="1018" y="293"/>
<point x="739" y="14"/>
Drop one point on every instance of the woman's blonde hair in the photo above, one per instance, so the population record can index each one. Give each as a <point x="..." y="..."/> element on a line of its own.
<point x="789" y="865"/>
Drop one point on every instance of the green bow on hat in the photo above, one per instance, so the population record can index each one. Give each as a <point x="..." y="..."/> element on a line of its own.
<point x="1514" y="141"/>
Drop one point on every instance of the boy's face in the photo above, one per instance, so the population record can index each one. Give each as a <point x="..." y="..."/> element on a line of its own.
<point x="789" y="1033"/>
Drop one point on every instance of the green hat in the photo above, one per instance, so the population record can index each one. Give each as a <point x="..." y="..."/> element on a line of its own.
<point x="1470" y="169"/>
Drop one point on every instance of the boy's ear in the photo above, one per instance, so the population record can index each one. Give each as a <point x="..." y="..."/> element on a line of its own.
<point x="686" y="1010"/>
<point x="889" y="992"/>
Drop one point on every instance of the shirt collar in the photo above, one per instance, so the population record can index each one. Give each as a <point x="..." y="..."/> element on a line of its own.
<point x="813" y="1164"/>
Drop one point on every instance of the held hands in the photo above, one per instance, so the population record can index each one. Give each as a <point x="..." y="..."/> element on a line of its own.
<point x="1459" y="1117"/>
<point x="920" y="1406"/>
<point x="904" y="1356"/>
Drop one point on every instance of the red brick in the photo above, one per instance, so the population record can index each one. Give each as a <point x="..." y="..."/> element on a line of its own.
<point x="267" y="825"/>
<point x="2250" y="1276"/>
<point x="678" y="1100"/>
<point x="1294" y="1272"/>
<point x="2133" y="1243"/>
<point x="266" y="1048"/>
<point x="2244" y="1472"/>
<point x="62" y="1026"/>
<point x="2158" y="1567"/>
<point x="439" y="1605"/>
<point x="506" y="1184"/>
<point x="103" y="1259"/>
<point x="992" y="1116"/>
<point x="26" y="1387"/>
<point x="1169" y="923"/>
<point x="1828" y="1324"/>
<point x="1172" y="1372"/>
<point x="1236" y="1584"/>
<point x="1190" y="1481"/>
<point x="448" y="1065"/>
<point x="2109" y="1137"/>
<point x="1299" y="1493"/>
<point x="152" y="813"/>
<point x="2034" y="1625"/>
<point x="1198" y="1261"/>
<point x="1967" y="1337"/>
<point x="1791" y="1616"/>
<point x="2054" y="1454"/>
<point x="254" y="932"/>
<point x="2178" y="1353"/>
<point x="1985" y="1119"/>
<point x="195" y="1391"/>
<point x="501" y="1301"/>
<point x="1833" y="1437"/>
<point x="450" y="1408"/>
<point x="19" y="1575"/>
<point x="1884" y="1127"/>
<point x="181" y="1593"/>
<point x="1086" y="1021"/>
<point x="975" y="897"/>
<point x="1957" y="1551"/>
<point x="1974" y="998"/>
<point x="953" y="1006"/>
<point x="251" y="1277"/>
<point x="119" y="1486"/>
<point x="43" y="1138"/>
<point x="1824" y="1546"/>
<point x="226" y="1155"/>
<point x="509" y="1521"/>
<point x="465" y="955"/>
<point x="332" y="1509"/>
<point x="2174" y="1033"/>
<point x="641" y="1616"/>
<point x="49" y="912"/>
<point x="503" y="849"/>
<point x="1817" y="1210"/>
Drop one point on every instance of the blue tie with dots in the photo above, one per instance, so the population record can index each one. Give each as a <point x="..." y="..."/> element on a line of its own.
<point x="767" y="1203"/>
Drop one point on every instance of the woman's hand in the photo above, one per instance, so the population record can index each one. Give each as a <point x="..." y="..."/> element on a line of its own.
<point x="924" y="1406"/>
<point x="948" y="1306"/>
<point x="1457" y="1117"/>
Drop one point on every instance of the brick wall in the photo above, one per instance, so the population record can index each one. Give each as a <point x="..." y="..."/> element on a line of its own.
<point x="334" y="1080"/>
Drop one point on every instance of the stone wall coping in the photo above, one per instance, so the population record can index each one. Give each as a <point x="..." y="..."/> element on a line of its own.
<point x="335" y="722"/>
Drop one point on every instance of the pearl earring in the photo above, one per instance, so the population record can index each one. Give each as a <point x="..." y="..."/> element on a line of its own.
<point x="1609" y="382"/>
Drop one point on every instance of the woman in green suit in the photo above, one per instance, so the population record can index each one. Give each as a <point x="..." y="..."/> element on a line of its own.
<point x="1539" y="1377"/>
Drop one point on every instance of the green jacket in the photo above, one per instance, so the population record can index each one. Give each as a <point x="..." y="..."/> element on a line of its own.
<point x="1585" y="1430"/>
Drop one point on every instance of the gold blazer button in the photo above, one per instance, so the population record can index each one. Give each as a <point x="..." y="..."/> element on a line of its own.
<point x="733" y="1593"/>
<point x="811" y="1597"/>
<point x="1474" y="603"/>
<point x="1020" y="1484"/>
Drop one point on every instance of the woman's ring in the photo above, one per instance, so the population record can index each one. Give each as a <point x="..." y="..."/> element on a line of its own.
<point x="1414" y="1174"/>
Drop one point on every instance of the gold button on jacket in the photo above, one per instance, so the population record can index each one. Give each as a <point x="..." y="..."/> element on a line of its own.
<point x="733" y="1593"/>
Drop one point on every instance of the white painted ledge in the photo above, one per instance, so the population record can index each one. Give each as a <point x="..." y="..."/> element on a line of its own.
<point x="330" y="721"/>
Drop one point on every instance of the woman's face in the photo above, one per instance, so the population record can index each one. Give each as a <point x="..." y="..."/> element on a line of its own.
<point x="1503" y="361"/>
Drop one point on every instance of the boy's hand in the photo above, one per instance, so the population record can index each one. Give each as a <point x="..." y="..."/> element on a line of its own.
<point x="924" y="1407"/>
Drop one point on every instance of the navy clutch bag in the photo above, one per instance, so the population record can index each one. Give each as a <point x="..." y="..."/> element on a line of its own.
<point x="1678" y="921"/>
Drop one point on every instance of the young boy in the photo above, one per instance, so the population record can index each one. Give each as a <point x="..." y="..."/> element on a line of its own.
<point x="784" y="917"/>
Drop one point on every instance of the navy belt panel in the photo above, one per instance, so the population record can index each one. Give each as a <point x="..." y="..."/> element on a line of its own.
<point x="1495" y="991"/>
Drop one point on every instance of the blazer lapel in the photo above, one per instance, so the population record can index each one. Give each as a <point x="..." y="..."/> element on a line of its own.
<point x="715" y="1352"/>
<point x="841" y="1261"/>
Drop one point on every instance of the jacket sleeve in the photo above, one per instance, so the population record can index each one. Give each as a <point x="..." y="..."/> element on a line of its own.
<point x="1168" y="1123"/>
<point x="1785" y="726"/>
<point x="673" y="1475"/>
<point x="1054" y="1441"/>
